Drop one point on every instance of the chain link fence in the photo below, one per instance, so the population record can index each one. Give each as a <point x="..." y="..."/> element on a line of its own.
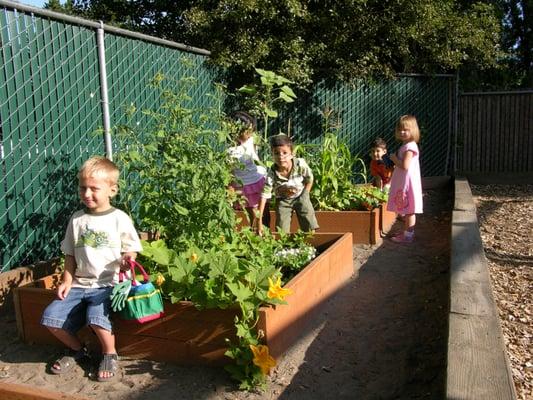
<point x="369" y="111"/>
<point x="51" y="114"/>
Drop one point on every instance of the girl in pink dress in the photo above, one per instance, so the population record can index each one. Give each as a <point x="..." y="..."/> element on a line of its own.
<point x="405" y="195"/>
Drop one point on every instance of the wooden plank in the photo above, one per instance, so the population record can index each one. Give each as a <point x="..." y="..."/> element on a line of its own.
<point x="506" y="134"/>
<point x="484" y="134"/>
<point x="475" y="359"/>
<point x="12" y="391"/>
<point x="519" y="134"/>
<point x="473" y="138"/>
<point x="493" y="135"/>
<point x="478" y="367"/>
<point x="470" y="288"/>
<point x="19" y="318"/>
<point x="501" y="136"/>
<point x="471" y="133"/>
<point x="498" y="139"/>
<point x="529" y="135"/>
<point x="482" y="105"/>
<point x="474" y="133"/>
<point x="513" y="150"/>
<point x="494" y="121"/>
<point x="525" y="112"/>
<point x="459" y="140"/>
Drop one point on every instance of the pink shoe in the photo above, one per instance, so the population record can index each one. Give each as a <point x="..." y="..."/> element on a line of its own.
<point x="403" y="238"/>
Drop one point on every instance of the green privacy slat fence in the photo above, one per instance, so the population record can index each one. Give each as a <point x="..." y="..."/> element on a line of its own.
<point x="131" y="67"/>
<point x="49" y="100"/>
<point x="51" y="114"/>
<point x="51" y="117"/>
<point x="370" y="111"/>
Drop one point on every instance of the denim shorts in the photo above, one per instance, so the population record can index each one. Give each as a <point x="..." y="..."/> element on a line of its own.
<point x="81" y="307"/>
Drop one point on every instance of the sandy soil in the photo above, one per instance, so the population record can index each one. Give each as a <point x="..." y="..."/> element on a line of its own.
<point x="505" y="215"/>
<point x="382" y="337"/>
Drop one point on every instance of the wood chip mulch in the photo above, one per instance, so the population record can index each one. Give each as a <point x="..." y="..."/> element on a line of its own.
<point x="505" y="214"/>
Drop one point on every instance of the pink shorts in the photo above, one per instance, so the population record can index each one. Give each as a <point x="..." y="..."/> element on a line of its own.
<point x="251" y="192"/>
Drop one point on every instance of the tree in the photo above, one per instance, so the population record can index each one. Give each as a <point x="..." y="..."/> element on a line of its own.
<point x="518" y="39"/>
<point x="514" y="68"/>
<point x="306" y="40"/>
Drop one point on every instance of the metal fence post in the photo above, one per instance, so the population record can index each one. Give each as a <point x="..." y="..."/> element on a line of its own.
<point x="103" y="92"/>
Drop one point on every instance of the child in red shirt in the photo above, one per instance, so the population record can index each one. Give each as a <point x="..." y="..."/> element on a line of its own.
<point x="380" y="166"/>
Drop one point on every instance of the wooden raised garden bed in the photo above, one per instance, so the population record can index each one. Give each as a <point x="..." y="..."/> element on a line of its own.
<point x="366" y="227"/>
<point x="186" y="335"/>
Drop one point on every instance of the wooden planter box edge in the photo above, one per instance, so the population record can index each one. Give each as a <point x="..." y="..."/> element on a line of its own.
<point x="189" y="336"/>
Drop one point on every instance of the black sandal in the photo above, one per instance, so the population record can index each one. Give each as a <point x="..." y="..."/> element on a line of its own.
<point x="64" y="364"/>
<point x="109" y="363"/>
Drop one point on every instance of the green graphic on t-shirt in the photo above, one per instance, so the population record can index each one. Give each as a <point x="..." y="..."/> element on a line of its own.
<point x="93" y="239"/>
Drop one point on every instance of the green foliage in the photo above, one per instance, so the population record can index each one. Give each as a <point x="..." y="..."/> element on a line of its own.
<point x="335" y="170"/>
<point x="177" y="174"/>
<point x="333" y="167"/>
<point x="262" y="98"/>
<point x="232" y="274"/>
<point x="513" y="69"/>
<point x="310" y="41"/>
<point x="170" y="167"/>
<point x="366" y="197"/>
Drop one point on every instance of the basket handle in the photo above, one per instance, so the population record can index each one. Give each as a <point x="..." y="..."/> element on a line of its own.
<point x="133" y="264"/>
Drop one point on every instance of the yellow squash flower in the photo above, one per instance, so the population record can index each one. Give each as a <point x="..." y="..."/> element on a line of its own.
<point x="262" y="359"/>
<point x="275" y="291"/>
<point x="159" y="280"/>
<point x="193" y="258"/>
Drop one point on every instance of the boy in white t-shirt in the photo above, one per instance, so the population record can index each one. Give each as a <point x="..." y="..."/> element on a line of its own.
<point x="99" y="241"/>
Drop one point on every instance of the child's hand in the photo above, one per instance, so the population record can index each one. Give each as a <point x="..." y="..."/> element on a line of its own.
<point x="258" y="226"/>
<point x="285" y="191"/>
<point x="125" y="261"/>
<point x="394" y="158"/>
<point x="387" y="161"/>
<point x="63" y="290"/>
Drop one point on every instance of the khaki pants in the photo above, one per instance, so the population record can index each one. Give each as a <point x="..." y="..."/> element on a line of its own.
<point x="304" y="211"/>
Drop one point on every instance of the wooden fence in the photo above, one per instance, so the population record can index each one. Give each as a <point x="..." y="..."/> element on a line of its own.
<point x="495" y="132"/>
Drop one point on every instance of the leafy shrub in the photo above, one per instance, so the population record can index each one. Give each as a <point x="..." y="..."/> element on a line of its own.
<point x="177" y="175"/>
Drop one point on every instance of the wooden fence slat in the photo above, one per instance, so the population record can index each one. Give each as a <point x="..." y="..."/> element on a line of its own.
<point x="495" y="132"/>
<point x="529" y="131"/>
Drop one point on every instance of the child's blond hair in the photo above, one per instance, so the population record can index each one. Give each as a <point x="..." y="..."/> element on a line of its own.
<point x="408" y="121"/>
<point x="101" y="167"/>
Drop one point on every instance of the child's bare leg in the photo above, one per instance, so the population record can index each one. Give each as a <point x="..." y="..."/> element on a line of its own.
<point x="409" y="222"/>
<point x="76" y="350"/>
<point x="107" y="342"/>
<point x="251" y="213"/>
<point x="68" y="339"/>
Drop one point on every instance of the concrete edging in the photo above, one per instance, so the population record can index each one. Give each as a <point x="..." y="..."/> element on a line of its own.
<point x="478" y="365"/>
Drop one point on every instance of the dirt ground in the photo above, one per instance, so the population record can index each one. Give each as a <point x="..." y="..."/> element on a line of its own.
<point x="383" y="336"/>
<point x="505" y="215"/>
